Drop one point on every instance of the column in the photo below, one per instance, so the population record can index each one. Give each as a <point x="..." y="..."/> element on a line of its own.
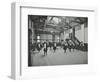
<point x="32" y="32"/>
<point x="82" y="33"/>
<point x="53" y="37"/>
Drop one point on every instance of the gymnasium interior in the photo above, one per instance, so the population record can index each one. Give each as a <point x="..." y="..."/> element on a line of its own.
<point x="69" y="33"/>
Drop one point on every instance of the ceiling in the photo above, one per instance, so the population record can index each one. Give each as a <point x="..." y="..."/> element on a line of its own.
<point x="56" y="24"/>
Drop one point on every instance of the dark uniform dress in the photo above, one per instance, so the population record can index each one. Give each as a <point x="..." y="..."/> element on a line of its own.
<point x="65" y="48"/>
<point x="54" y="47"/>
<point x="39" y="47"/>
<point x="45" y="49"/>
<point x="69" y="46"/>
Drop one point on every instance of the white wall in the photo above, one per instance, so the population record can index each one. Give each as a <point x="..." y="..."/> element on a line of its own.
<point x="78" y="35"/>
<point x="86" y="35"/>
<point x="5" y="40"/>
<point x="46" y="36"/>
<point x="62" y="36"/>
<point x="82" y="34"/>
<point x="66" y="35"/>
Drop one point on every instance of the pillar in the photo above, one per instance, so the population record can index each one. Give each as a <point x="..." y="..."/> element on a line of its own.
<point x="53" y="37"/>
<point x="32" y="32"/>
<point x="82" y="33"/>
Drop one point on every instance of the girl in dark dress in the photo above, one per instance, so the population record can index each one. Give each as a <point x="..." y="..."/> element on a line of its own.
<point x="39" y="47"/>
<point x="54" y="47"/>
<point x="69" y="45"/>
<point x="45" y="49"/>
<point x="65" y="47"/>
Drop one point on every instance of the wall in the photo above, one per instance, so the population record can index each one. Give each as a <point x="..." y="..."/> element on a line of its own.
<point x="66" y="35"/>
<point x="86" y="35"/>
<point x="82" y="34"/>
<point x="46" y="37"/>
<point x="5" y="40"/>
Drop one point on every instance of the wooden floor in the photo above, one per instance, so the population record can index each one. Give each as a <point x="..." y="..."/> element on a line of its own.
<point x="59" y="57"/>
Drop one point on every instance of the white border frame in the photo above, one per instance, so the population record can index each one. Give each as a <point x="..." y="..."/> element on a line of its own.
<point x="16" y="71"/>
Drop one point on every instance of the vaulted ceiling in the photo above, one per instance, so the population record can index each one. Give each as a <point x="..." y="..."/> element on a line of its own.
<point x="56" y="24"/>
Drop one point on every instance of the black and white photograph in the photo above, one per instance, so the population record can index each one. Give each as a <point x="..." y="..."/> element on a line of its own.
<point x="57" y="40"/>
